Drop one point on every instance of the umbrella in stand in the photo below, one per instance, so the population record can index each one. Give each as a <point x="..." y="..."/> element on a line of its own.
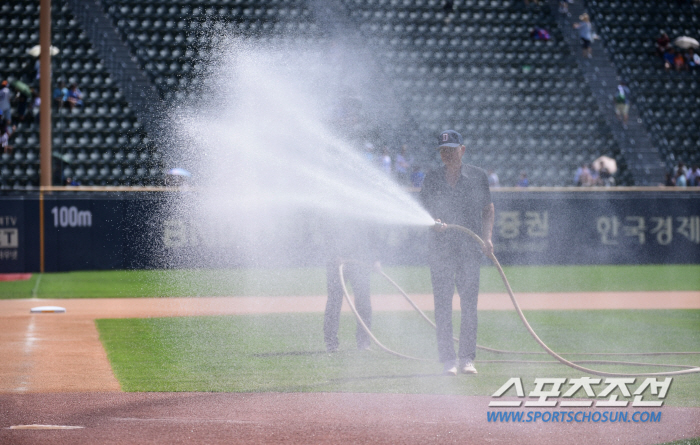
<point x="63" y="158"/>
<point x="686" y="42"/>
<point x="609" y="163"/>
<point x="21" y="87"/>
<point x="179" y="172"/>
<point x="35" y="51"/>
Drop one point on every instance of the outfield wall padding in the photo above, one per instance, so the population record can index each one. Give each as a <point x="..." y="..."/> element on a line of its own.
<point x="100" y="231"/>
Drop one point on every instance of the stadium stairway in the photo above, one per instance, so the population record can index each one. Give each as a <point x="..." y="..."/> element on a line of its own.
<point x="131" y="80"/>
<point x="667" y="99"/>
<point x="643" y="158"/>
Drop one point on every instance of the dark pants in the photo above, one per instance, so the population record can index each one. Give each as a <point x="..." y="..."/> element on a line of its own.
<point x="462" y="272"/>
<point x="358" y="275"/>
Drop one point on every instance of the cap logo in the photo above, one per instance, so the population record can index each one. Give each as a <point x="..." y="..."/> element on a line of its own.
<point x="445" y="137"/>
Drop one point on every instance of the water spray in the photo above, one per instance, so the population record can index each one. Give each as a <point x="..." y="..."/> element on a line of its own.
<point x="266" y="141"/>
<point x="547" y="349"/>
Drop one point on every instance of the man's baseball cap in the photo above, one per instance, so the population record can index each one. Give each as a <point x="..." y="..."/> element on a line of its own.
<point x="450" y="138"/>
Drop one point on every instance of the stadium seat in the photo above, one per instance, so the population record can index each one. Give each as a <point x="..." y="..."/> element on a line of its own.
<point x="662" y="97"/>
<point x="77" y="62"/>
<point x="480" y="65"/>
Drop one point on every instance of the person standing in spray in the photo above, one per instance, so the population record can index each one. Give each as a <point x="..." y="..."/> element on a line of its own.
<point x="457" y="194"/>
<point x="353" y="243"/>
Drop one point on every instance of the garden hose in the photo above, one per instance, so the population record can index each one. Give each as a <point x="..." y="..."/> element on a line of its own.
<point x="559" y="358"/>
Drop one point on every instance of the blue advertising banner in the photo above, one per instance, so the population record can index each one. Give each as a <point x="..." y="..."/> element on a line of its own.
<point x="88" y="231"/>
<point x="602" y="228"/>
<point x="537" y="228"/>
<point x="83" y="233"/>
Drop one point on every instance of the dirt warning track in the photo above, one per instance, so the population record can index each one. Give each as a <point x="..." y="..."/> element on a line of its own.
<point x="321" y="418"/>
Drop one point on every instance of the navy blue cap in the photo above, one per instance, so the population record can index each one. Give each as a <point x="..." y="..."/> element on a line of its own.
<point x="450" y="138"/>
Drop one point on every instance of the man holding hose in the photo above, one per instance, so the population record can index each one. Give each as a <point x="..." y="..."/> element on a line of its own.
<point x="457" y="194"/>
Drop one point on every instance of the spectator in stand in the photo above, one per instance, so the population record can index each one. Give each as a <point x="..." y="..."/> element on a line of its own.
<point x="586" y="176"/>
<point x="563" y="8"/>
<point x="449" y="9"/>
<point x="369" y="152"/>
<point x="71" y="182"/>
<point x="386" y="161"/>
<point x="22" y="107"/>
<point x="680" y="168"/>
<point x="679" y="61"/>
<point x="75" y="96"/>
<point x="60" y="95"/>
<point x="6" y="131"/>
<point x="681" y="180"/>
<point x="37" y="77"/>
<point x="417" y="177"/>
<point x="585" y="31"/>
<point x="693" y="176"/>
<point x="493" y="179"/>
<point x="669" y="58"/>
<point x="577" y="175"/>
<point x="34" y="107"/>
<point x="670" y="181"/>
<point x="539" y="34"/>
<point x="692" y="60"/>
<point x="622" y="103"/>
<point x="5" y="97"/>
<point x="663" y="43"/>
<point x="523" y="181"/>
<point x="605" y="177"/>
<point x="402" y="166"/>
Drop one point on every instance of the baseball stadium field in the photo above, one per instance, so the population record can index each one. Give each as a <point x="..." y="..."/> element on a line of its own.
<point x="237" y="356"/>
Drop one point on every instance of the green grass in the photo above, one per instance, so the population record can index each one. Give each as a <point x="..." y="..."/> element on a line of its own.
<point x="285" y="352"/>
<point x="311" y="281"/>
<point x="694" y="441"/>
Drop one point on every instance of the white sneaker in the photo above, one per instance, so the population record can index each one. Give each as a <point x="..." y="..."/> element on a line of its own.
<point x="449" y="369"/>
<point x="467" y="368"/>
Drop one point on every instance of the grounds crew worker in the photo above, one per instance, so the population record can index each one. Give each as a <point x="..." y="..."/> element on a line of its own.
<point x="457" y="194"/>
<point x="354" y="243"/>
